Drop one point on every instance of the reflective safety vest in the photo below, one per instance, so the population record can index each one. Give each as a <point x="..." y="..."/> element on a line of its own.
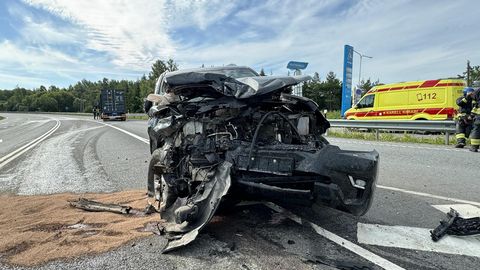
<point x="476" y="102"/>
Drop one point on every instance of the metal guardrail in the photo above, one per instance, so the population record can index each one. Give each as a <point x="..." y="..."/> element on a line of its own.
<point x="446" y="127"/>
<point x="135" y="114"/>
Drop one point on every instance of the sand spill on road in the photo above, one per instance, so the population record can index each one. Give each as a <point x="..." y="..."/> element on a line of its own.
<point x="37" y="229"/>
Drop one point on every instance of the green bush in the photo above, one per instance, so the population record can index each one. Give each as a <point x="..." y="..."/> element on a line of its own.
<point x="334" y="115"/>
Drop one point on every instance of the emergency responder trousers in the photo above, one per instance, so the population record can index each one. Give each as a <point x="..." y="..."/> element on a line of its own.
<point x="463" y="129"/>
<point x="475" y="135"/>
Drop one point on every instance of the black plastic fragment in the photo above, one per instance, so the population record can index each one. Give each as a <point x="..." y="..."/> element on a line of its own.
<point x="453" y="224"/>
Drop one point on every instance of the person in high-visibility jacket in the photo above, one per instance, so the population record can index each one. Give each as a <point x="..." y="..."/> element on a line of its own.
<point x="475" y="134"/>
<point x="464" y="117"/>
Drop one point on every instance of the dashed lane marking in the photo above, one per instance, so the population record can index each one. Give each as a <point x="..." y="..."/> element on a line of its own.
<point x="372" y="257"/>
<point x="18" y="152"/>
<point x="416" y="239"/>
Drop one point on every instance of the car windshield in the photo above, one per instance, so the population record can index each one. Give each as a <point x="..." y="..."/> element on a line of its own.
<point x="366" y="102"/>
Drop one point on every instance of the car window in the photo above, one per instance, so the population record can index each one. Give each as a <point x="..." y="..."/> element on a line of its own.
<point x="366" y="102"/>
<point x="160" y="85"/>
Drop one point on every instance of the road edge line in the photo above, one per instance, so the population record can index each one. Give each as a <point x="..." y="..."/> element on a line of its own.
<point x="18" y="152"/>
<point x="428" y="195"/>
<point x="126" y="132"/>
<point x="362" y="252"/>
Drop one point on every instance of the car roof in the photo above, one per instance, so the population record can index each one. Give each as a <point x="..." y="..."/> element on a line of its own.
<point x="211" y="69"/>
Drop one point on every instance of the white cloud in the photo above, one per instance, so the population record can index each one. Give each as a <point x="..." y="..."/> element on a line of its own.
<point x="47" y="33"/>
<point x="31" y="66"/>
<point x="11" y="81"/>
<point x="32" y="58"/>
<point x="134" y="33"/>
<point x="200" y="13"/>
<point x="409" y="40"/>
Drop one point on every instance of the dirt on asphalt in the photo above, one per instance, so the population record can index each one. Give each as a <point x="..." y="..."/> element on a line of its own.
<point x="38" y="229"/>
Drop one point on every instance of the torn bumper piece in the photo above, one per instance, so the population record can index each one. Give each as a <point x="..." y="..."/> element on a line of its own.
<point x="206" y="203"/>
<point x="340" y="179"/>
<point x="453" y="224"/>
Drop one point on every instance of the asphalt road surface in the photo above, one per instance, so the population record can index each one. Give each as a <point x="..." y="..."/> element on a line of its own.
<point x="47" y="153"/>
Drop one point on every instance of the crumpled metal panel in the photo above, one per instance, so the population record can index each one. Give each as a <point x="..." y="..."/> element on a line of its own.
<point x="215" y="189"/>
<point x="240" y="88"/>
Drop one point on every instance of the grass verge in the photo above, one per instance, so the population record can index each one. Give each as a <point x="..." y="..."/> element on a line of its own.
<point x="137" y="117"/>
<point x="392" y="137"/>
<point x="334" y="115"/>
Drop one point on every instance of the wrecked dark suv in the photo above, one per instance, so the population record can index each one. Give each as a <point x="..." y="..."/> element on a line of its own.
<point x="221" y="135"/>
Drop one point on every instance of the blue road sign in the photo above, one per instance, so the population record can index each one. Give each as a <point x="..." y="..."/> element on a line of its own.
<point x="297" y="65"/>
<point x="347" y="78"/>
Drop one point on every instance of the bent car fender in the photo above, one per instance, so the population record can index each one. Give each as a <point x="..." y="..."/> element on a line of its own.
<point x="206" y="204"/>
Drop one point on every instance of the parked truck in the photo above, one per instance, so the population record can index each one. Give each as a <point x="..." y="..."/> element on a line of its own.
<point x="112" y="104"/>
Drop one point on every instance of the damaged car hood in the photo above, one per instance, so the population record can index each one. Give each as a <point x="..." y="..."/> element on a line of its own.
<point x="181" y="83"/>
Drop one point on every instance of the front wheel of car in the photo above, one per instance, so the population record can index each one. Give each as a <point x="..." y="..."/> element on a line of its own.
<point x="157" y="185"/>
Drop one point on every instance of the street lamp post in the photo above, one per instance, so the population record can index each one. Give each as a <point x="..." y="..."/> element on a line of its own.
<point x="360" y="68"/>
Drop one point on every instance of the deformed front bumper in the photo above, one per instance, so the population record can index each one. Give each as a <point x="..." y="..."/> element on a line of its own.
<point x="337" y="178"/>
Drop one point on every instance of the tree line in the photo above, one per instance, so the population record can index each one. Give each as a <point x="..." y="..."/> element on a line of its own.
<point x="84" y="95"/>
<point x="328" y="93"/>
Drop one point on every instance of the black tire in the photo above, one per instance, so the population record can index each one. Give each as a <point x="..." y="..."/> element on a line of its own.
<point x="151" y="177"/>
<point x="152" y="147"/>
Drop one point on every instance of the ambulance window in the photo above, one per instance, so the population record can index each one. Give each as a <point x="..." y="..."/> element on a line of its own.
<point x="366" y="102"/>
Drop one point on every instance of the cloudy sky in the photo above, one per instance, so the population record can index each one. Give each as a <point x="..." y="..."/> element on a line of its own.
<point x="45" y="42"/>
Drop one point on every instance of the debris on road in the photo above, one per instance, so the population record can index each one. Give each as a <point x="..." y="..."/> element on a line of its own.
<point x="453" y="224"/>
<point x="93" y="206"/>
<point x="38" y="229"/>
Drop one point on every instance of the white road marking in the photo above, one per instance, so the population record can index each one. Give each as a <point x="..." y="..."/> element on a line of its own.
<point x="126" y="132"/>
<point x="429" y="195"/>
<point x="417" y="239"/>
<point x="18" y="152"/>
<point x="332" y="139"/>
<point x="1" y="140"/>
<point x="465" y="210"/>
<point x="372" y="257"/>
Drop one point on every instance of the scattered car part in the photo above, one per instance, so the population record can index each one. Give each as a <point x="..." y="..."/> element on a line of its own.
<point x="453" y="224"/>
<point x="95" y="206"/>
<point x="216" y="137"/>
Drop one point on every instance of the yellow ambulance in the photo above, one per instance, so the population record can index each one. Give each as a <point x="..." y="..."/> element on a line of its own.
<point x="419" y="100"/>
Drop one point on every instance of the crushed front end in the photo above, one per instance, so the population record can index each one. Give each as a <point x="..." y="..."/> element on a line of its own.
<point x="225" y="140"/>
